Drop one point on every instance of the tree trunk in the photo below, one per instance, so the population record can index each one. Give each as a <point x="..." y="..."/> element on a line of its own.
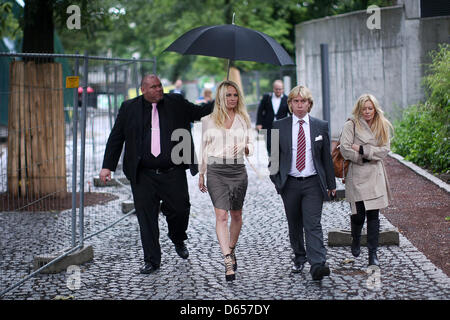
<point x="36" y="141"/>
<point x="38" y="28"/>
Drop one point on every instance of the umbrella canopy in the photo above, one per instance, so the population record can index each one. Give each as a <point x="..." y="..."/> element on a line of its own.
<point x="231" y="42"/>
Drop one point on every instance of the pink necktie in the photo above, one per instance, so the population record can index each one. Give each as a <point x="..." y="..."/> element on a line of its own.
<point x="156" y="146"/>
<point x="301" y="148"/>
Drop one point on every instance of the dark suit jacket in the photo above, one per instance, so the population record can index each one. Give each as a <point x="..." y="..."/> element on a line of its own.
<point x="265" y="115"/>
<point x="129" y="127"/>
<point x="320" y="152"/>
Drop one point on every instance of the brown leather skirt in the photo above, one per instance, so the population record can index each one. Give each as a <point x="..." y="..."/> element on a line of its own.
<point x="227" y="185"/>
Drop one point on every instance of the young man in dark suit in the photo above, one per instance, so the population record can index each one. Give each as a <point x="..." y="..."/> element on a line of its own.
<point x="273" y="106"/>
<point x="305" y="177"/>
<point x="147" y="124"/>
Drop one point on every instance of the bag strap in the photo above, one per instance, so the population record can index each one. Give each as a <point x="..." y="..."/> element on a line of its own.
<point x="339" y="142"/>
<point x="349" y="119"/>
<point x="343" y="161"/>
<point x="354" y="128"/>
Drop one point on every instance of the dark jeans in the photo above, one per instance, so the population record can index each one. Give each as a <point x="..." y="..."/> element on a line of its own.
<point x="168" y="191"/>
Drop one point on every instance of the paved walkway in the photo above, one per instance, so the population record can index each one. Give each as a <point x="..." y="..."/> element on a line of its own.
<point x="263" y="252"/>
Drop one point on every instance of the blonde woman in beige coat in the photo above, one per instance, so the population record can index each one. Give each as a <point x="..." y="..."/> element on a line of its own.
<point x="365" y="142"/>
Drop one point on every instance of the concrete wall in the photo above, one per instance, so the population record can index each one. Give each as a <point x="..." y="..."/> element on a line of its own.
<point x="387" y="62"/>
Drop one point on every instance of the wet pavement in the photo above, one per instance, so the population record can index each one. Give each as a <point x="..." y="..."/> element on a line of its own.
<point x="263" y="253"/>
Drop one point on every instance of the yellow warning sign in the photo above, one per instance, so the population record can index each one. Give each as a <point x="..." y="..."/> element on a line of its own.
<point x="72" y="82"/>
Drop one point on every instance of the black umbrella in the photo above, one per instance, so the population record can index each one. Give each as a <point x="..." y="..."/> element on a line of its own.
<point x="231" y="42"/>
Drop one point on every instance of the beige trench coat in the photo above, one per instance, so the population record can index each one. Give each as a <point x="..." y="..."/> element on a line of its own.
<point x="365" y="181"/>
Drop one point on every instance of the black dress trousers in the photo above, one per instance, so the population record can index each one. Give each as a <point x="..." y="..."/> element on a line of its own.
<point x="169" y="189"/>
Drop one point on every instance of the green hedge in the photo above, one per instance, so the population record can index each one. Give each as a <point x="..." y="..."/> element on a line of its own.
<point x="423" y="139"/>
<point x="422" y="135"/>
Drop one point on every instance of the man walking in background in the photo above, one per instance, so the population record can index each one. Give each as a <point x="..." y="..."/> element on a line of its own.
<point x="273" y="106"/>
<point x="178" y="88"/>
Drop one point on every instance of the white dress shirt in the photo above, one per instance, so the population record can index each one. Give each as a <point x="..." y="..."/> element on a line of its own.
<point x="276" y="101"/>
<point x="309" y="164"/>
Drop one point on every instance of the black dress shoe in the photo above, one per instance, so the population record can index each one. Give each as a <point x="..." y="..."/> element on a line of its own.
<point x="148" y="268"/>
<point x="320" y="272"/>
<point x="297" y="267"/>
<point x="181" y="249"/>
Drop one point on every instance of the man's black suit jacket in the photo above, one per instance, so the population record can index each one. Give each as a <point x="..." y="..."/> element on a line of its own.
<point x="320" y="148"/>
<point x="265" y="115"/>
<point x="129" y="128"/>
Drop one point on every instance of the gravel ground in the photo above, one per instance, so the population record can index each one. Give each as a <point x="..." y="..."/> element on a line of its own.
<point x="418" y="210"/>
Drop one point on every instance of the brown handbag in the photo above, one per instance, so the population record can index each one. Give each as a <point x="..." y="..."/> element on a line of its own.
<point x="339" y="163"/>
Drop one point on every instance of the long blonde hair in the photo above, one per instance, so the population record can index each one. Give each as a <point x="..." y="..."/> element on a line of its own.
<point x="380" y="125"/>
<point x="219" y="114"/>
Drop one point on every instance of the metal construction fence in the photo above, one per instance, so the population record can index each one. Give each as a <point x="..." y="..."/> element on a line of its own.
<point x="37" y="152"/>
<point x="58" y="108"/>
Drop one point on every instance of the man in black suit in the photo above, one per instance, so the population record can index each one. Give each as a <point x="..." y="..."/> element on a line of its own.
<point x="178" y="88"/>
<point x="305" y="177"/>
<point x="156" y="169"/>
<point x="273" y="106"/>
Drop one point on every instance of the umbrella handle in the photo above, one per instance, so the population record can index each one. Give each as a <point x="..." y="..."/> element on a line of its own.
<point x="229" y="62"/>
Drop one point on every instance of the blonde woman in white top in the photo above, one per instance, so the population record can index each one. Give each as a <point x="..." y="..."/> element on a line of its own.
<point x="226" y="139"/>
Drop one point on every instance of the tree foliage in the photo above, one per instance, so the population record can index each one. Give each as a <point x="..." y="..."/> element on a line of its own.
<point x="9" y="25"/>
<point x="422" y="135"/>
<point x="437" y="82"/>
<point x="146" y="27"/>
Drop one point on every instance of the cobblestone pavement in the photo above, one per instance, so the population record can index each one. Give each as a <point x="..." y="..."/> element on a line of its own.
<point x="263" y="252"/>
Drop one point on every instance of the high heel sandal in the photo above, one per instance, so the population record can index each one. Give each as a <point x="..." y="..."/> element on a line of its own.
<point x="229" y="268"/>
<point x="233" y="258"/>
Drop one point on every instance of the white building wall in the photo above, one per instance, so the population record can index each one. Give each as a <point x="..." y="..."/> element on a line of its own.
<point x="388" y="62"/>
